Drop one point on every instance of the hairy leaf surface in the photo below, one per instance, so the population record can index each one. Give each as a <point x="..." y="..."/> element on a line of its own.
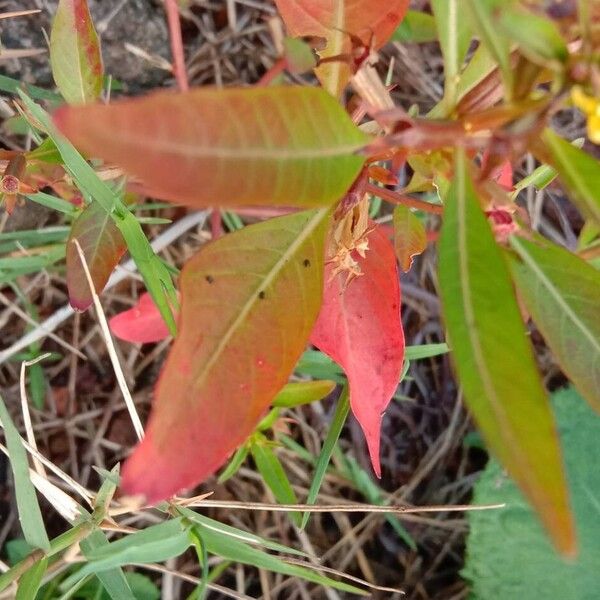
<point x="335" y="20"/>
<point x="494" y="359"/>
<point x="75" y="53"/>
<point x="562" y="293"/>
<point x="102" y="245"/>
<point x="287" y="146"/>
<point x="249" y="301"/>
<point x="359" y="327"/>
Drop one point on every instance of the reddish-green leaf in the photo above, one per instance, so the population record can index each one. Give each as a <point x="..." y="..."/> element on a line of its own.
<point x="360" y="328"/>
<point x="562" y="293"/>
<point x="140" y="324"/>
<point x="289" y="146"/>
<point x="372" y="21"/>
<point x="494" y="359"/>
<point x="249" y="301"/>
<point x="75" y="53"/>
<point x="102" y="245"/>
<point x="410" y="238"/>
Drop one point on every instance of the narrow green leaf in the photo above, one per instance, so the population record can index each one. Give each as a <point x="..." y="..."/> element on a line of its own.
<point x="494" y="360"/>
<point x="483" y="14"/>
<point x="31" y="580"/>
<point x="153" y="544"/>
<point x="234" y="464"/>
<point x="425" y="351"/>
<point x="578" y="171"/>
<point x="304" y="392"/>
<point x="335" y="429"/>
<point x="114" y="580"/>
<point x="539" y="38"/>
<point x="237" y="534"/>
<point x="75" y="53"/>
<point x="454" y="33"/>
<point x="12" y="86"/>
<point x="274" y="476"/>
<point x="236" y="551"/>
<point x="52" y="202"/>
<point x="28" y="507"/>
<point x="562" y="293"/>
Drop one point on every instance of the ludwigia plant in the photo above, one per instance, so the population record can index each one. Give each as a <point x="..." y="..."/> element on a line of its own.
<point x="245" y="307"/>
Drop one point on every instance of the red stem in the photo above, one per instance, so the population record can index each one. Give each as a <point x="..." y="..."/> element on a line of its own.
<point x="274" y="71"/>
<point x="396" y="198"/>
<point x="176" y="45"/>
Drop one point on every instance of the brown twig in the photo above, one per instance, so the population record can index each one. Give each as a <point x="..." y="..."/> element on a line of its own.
<point x="396" y="198"/>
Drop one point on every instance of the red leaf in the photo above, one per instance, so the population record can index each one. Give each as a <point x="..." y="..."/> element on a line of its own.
<point x="249" y="301"/>
<point x="284" y="146"/>
<point x="140" y="324"/>
<point x="360" y="328"/>
<point x="338" y="21"/>
<point x="102" y="245"/>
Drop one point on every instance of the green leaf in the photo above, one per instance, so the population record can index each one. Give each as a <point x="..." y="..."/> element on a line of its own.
<point x="237" y="534"/>
<point x="102" y="245"/>
<point x="113" y="580"/>
<point x="484" y="17"/>
<point x="335" y="429"/>
<point x="304" y="392"/>
<point x="425" y="351"/>
<point x="494" y="359"/>
<point x="155" y="274"/>
<point x="454" y="33"/>
<point x="52" y="202"/>
<point x="153" y="544"/>
<point x="273" y="474"/>
<point x="287" y="146"/>
<point x="539" y="38"/>
<point x="417" y="28"/>
<point x="75" y="53"/>
<point x="264" y="283"/>
<point x="28" y="507"/>
<point x="318" y="365"/>
<point x="12" y="86"/>
<point x="31" y="580"/>
<point x="508" y="555"/>
<point x="562" y="293"/>
<point x="234" y="464"/>
<point x="578" y="171"/>
<point x="231" y="549"/>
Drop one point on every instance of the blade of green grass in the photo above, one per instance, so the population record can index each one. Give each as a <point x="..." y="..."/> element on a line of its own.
<point x="273" y="474"/>
<point x="339" y="418"/>
<point x="28" y="507"/>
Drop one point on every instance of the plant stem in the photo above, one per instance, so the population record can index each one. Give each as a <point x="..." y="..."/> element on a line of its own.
<point x="396" y="198"/>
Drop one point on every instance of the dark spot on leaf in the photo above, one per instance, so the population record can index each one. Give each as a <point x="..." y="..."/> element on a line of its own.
<point x="261" y="295"/>
<point x="210" y="278"/>
<point x="306" y="262"/>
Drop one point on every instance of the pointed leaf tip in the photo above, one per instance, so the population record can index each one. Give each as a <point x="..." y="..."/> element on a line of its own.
<point x="360" y="328"/>
<point x="262" y="283"/>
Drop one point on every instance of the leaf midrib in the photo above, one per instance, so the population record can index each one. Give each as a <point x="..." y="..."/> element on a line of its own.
<point x="467" y="302"/>
<point x="555" y="293"/>
<point x="253" y="299"/>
